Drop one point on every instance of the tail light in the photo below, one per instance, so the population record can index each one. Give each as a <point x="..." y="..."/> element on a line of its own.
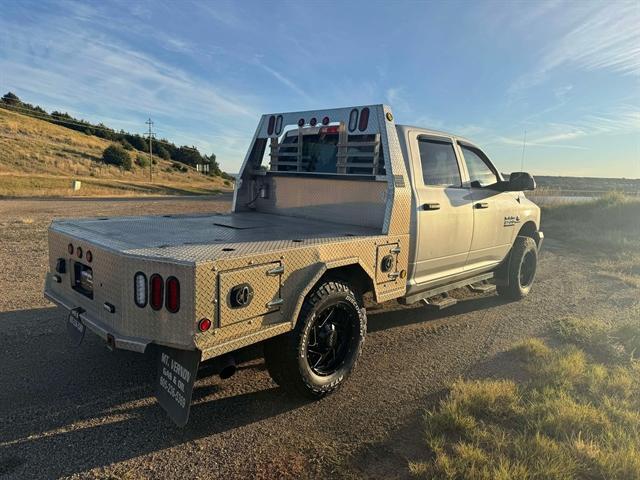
<point x="157" y="291"/>
<point x="140" y="293"/>
<point x="364" y="119"/>
<point x="173" y="294"/>
<point x="278" y="124"/>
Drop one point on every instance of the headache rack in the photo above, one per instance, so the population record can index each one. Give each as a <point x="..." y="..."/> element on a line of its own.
<point x="358" y="154"/>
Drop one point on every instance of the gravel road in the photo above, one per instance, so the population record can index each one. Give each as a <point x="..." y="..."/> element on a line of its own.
<point x="90" y="413"/>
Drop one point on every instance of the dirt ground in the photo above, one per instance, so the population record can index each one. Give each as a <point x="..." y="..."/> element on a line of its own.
<point x="90" y="413"/>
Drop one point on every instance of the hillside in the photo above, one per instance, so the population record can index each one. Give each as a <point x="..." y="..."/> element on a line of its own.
<point x="40" y="158"/>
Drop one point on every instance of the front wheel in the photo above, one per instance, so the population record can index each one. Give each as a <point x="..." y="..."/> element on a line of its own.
<point x="318" y="355"/>
<point x="520" y="270"/>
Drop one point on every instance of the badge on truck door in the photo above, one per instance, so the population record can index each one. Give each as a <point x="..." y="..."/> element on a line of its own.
<point x="177" y="370"/>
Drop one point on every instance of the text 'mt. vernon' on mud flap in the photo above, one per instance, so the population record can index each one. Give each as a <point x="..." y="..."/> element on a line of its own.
<point x="177" y="371"/>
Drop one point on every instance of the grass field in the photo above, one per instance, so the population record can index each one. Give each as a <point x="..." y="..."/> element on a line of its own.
<point x="38" y="158"/>
<point x="570" y="407"/>
<point x="608" y="229"/>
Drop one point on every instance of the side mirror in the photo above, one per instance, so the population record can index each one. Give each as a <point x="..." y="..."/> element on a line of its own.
<point x="520" y="181"/>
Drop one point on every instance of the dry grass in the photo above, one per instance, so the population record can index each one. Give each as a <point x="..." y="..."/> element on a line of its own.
<point x="608" y="229"/>
<point x="38" y="158"/>
<point x="578" y="416"/>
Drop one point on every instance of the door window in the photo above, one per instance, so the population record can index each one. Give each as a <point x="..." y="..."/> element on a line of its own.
<point x="439" y="163"/>
<point x="480" y="173"/>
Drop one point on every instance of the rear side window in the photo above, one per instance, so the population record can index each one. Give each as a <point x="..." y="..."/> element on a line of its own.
<point x="439" y="163"/>
<point x="480" y="173"/>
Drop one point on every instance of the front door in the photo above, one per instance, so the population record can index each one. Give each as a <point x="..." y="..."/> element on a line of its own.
<point x="444" y="211"/>
<point x="494" y="224"/>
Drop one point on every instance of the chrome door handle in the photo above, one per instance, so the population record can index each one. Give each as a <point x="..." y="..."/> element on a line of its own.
<point x="431" y="206"/>
<point x="482" y="205"/>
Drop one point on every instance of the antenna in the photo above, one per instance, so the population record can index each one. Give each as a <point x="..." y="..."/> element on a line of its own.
<point x="151" y="136"/>
<point x="524" y="144"/>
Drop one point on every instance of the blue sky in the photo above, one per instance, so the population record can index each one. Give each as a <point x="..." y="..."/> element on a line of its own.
<point x="566" y="72"/>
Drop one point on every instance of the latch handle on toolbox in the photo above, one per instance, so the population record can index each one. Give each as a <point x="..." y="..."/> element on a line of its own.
<point x="279" y="270"/>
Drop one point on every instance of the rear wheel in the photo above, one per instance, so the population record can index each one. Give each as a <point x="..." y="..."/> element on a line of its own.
<point x="317" y="356"/>
<point x="521" y="269"/>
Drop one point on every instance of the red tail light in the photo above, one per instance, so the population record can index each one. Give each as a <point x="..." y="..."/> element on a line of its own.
<point x="364" y="119"/>
<point x="157" y="291"/>
<point x="173" y="294"/>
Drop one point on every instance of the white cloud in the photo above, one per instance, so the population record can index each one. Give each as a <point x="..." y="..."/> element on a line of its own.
<point x="605" y="37"/>
<point x="281" y="78"/>
<point x="73" y="66"/>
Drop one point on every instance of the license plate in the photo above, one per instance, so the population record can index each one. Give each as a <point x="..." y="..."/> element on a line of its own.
<point x="75" y="327"/>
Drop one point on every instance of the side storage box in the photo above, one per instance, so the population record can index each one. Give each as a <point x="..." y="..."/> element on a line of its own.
<point x="248" y="292"/>
<point x="387" y="262"/>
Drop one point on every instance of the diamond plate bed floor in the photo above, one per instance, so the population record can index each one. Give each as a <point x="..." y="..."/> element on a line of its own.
<point x="195" y="238"/>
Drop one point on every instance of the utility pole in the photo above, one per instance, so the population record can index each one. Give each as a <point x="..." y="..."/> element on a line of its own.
<point x="150" y="134"/>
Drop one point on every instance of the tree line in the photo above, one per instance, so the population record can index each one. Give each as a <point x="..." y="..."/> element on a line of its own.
<point x="129" y="141"/>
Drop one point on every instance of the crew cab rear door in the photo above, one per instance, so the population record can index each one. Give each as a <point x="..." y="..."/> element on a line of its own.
<point x="444" y="213"/>
<point x="493" y="231"/>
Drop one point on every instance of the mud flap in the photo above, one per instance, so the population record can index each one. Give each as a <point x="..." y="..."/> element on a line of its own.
<point x="177" y="370"/>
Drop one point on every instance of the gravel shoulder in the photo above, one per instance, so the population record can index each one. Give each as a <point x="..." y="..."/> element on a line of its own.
<point x="90" y="413"/>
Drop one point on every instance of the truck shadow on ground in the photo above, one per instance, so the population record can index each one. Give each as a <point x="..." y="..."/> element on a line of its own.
<point x="68" y="410"/>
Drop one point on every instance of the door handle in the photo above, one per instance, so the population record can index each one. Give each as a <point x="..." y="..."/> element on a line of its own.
<point x="482" y="205"/>
<point x="431" y="206"/>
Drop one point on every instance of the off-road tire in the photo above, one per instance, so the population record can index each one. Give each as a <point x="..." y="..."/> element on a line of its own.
<point x="521" y="269"/>
<point x="286" y="355"/>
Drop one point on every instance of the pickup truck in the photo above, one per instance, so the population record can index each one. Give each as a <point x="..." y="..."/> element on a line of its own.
<point x="329" y="205"/>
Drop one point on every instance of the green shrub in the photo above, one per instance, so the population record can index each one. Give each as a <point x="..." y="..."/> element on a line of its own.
<point x="126" y="145"/>
<point x="142" y="160"/>
<point x="117" y="155"/>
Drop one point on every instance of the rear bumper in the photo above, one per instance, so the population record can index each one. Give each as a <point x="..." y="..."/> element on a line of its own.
<point x="113" y="339"/>
<point x="538" y="237"/>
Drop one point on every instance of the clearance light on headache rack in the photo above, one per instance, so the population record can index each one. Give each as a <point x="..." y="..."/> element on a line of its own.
<point x="313" y="121"/>
<point x="70" y="249"/>
<point x="89" y="256"/>
<point x="325" y="121"/>
<point x="364" y="119"/>
<point x="301" y="122"/>
<point x="140" y="294"/>
<point x="79" y="252"/>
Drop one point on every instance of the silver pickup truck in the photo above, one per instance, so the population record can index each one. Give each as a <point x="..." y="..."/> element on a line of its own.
<point x="329" y="205"/>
